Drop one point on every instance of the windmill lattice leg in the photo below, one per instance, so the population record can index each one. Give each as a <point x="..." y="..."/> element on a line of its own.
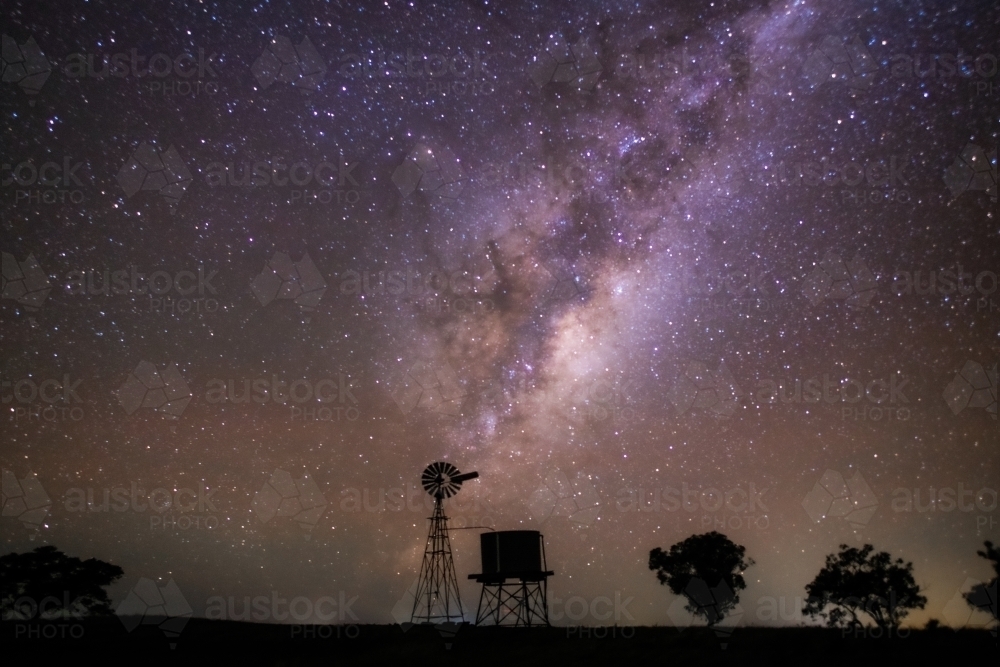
<point x="437" y="599"/>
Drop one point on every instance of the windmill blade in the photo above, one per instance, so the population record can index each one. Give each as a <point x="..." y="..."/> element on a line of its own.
<point x="443" y="480"/>
<point x="436" y="475"/>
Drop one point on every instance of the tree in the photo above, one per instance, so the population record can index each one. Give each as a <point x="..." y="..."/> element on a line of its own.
<point x="707" y="570"/>
<point x="46" y="583"/>
<point x="858" y="581"/>
<point x="984" y="596"/>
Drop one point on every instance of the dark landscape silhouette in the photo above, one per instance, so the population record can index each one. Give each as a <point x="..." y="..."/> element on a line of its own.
<point x="54" y="602"/>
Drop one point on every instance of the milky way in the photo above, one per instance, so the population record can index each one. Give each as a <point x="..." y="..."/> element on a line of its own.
<point x="608" y="255"/>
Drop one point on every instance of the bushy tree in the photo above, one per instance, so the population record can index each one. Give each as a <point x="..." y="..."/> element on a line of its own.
<point x="984" y="596"/>
<point x="46" y="583"/>
<point x="862" y="581"/>
<point x="707" y="570"/>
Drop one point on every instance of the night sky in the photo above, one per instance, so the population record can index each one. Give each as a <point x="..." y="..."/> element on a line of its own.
<point x="651" y="269"/>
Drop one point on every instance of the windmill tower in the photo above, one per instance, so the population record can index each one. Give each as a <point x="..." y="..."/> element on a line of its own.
<point x="437" y="599"/>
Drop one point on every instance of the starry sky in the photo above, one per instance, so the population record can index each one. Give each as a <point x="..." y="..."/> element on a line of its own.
<point x="591" y="250"/>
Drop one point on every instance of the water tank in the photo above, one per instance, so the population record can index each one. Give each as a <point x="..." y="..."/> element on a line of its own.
<point x="512" y="552"/>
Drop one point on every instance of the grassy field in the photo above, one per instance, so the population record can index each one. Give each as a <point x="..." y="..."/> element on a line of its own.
<point x="201" y="641"/>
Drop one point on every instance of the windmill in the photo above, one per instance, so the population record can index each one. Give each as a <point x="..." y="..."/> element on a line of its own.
<point x="437" y="599"/>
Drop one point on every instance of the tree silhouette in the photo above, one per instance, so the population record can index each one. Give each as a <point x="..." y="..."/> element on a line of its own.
<point x="858" y="581"/>
<point x="984" y="596"/>
<point x="705" y="569"/>
<point x="46" y="583"/>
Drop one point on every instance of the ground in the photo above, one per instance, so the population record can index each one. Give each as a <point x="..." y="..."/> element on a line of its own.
<point x="268" y="644"/>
